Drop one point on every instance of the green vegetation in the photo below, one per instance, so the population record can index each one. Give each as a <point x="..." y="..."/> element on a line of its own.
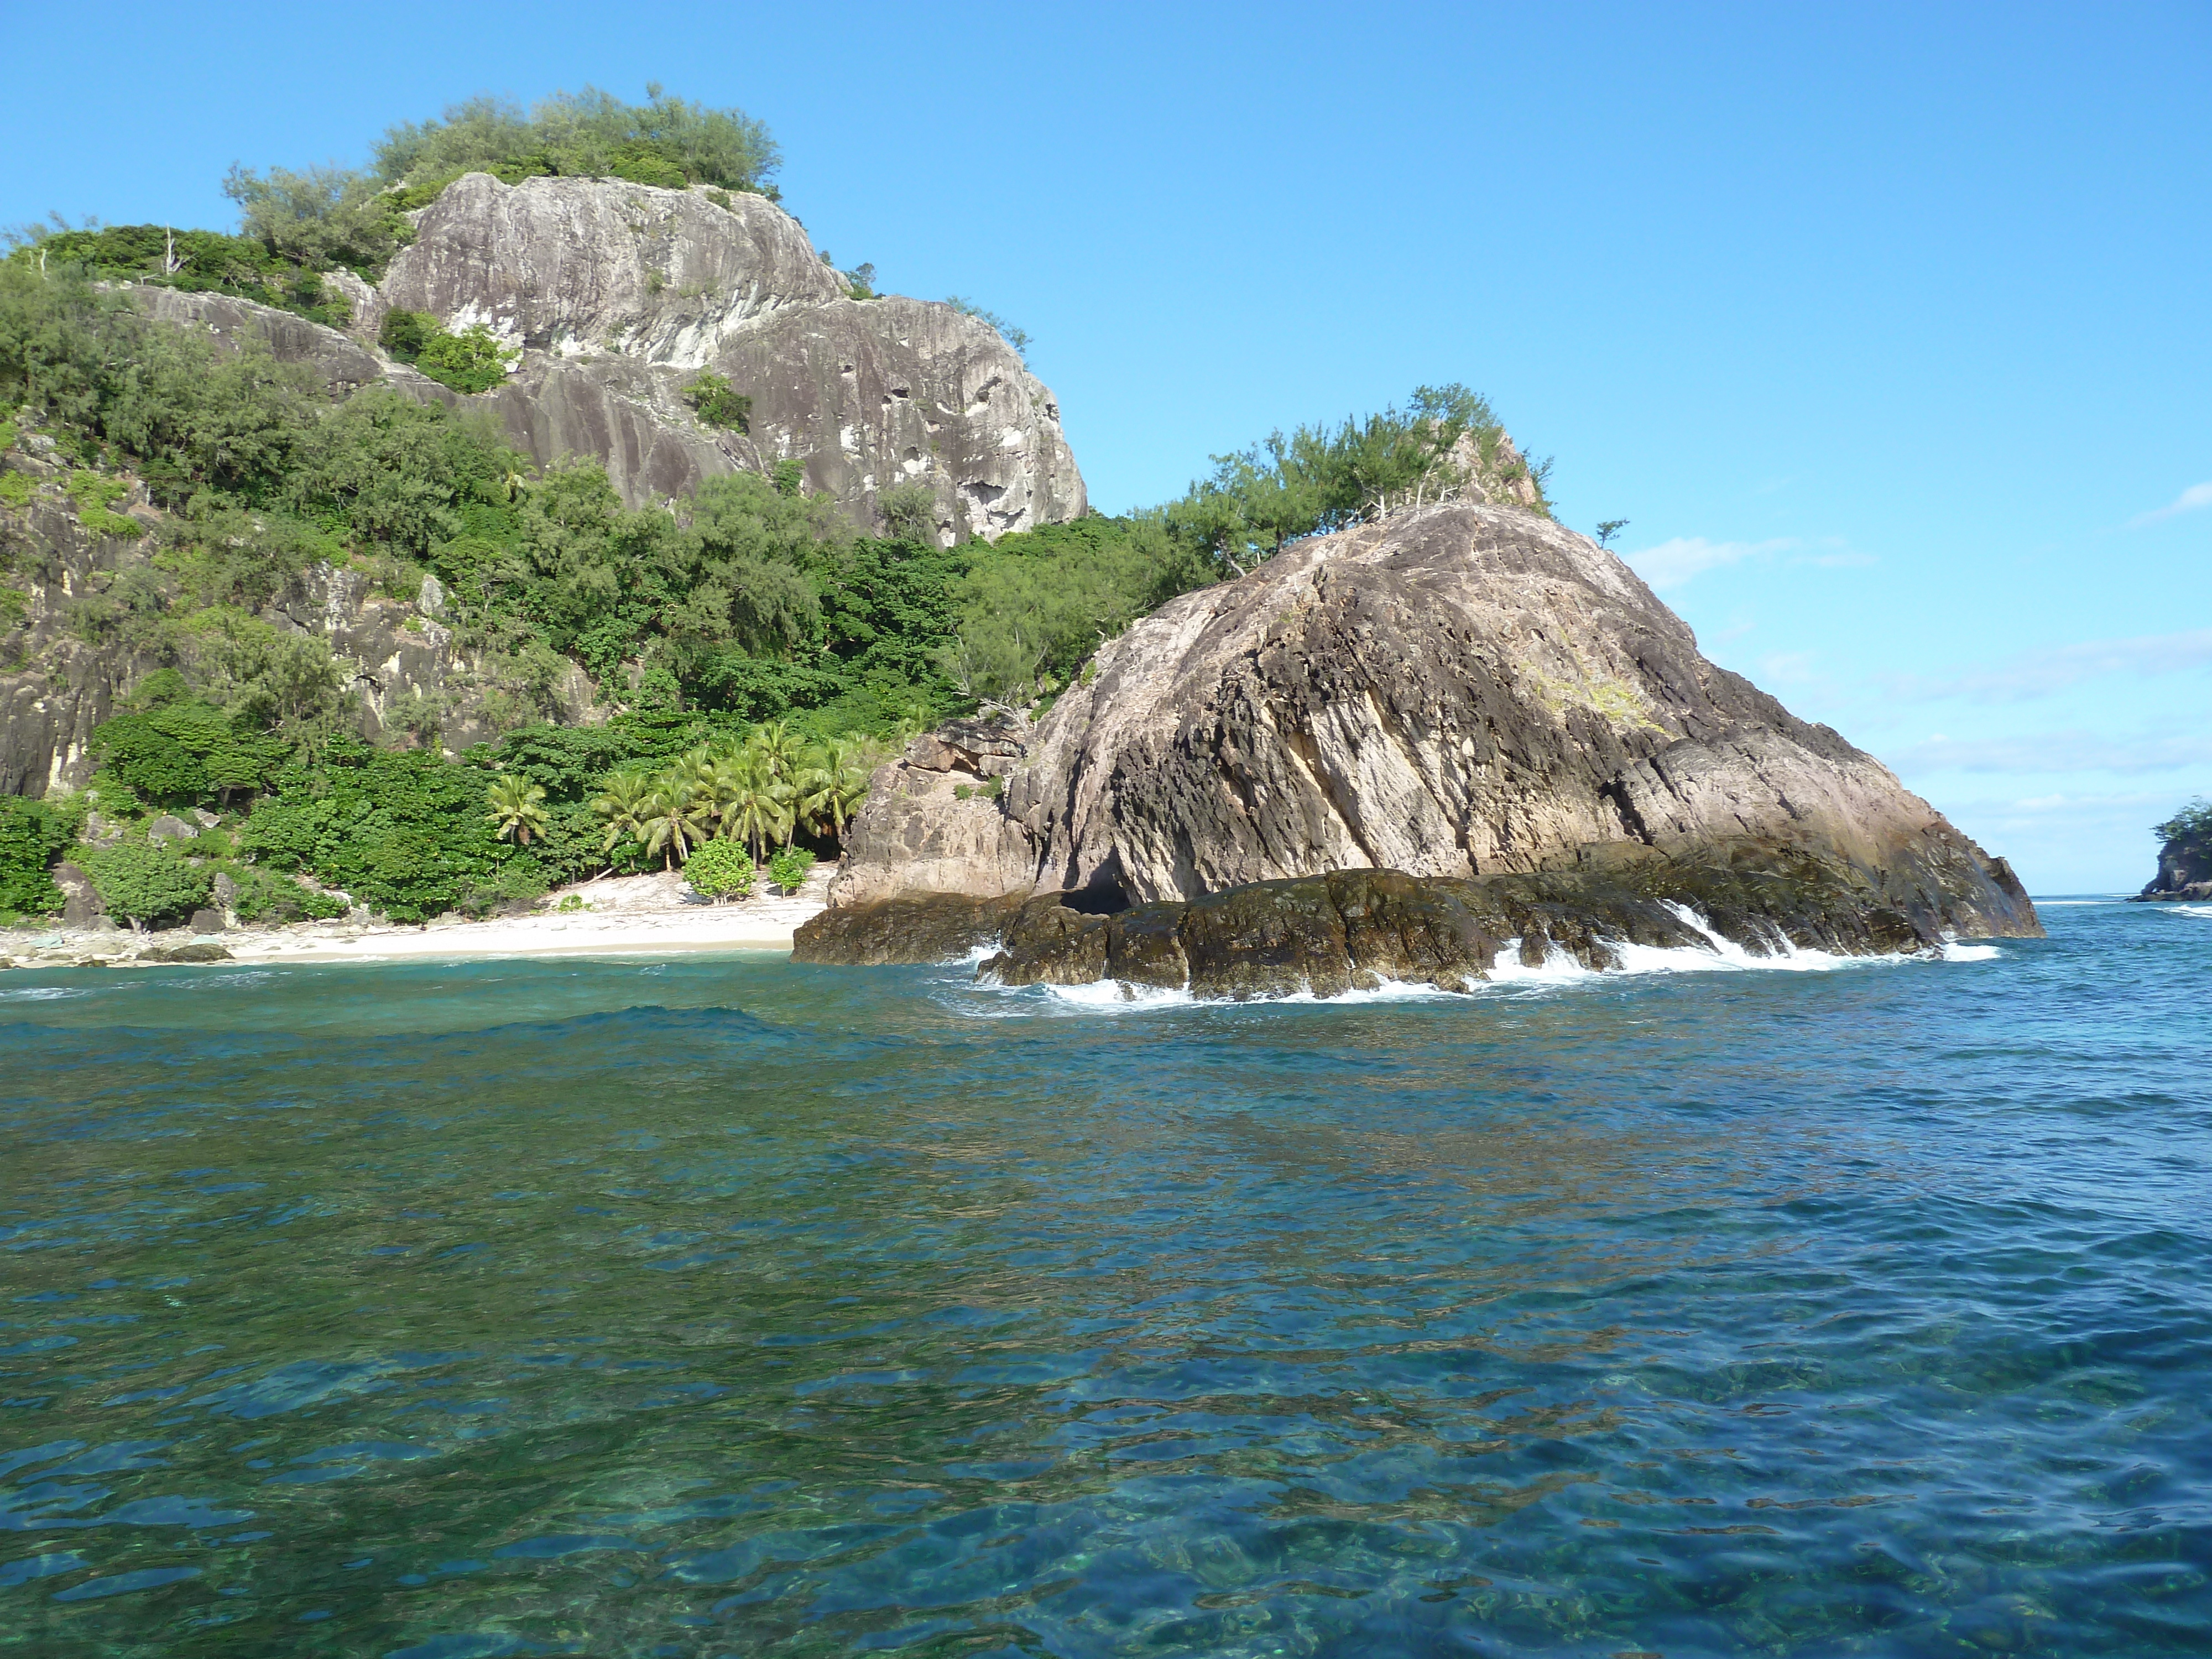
<point x="587" y="134"/>
<point x="471" y="361"/>
<point x="718" y="404"/>
<point x="1607" y="529"/>
<point x="517" y="809"/>
<point x="1322" y="478"/>
<point x="788" y="868"/>
<point x="2192" y="822"/>
<point x="148" y="881"/>
<point x="34" y="837"/>
<point x="719" y="870"/>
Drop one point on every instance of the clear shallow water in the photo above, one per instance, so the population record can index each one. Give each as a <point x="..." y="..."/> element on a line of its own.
<point x="727" y="1307"/>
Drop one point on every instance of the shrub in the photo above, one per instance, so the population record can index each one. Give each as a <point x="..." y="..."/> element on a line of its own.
<point x="788" y="868"/>
<point x="718" y="404"/>
<point x="404" y="333"/>
<point x="585" y="134"/>
<point x="721" y="869"/>
<point x="148" y="881"/>
<point x="91" y="493"/>
<point x="33" y="835"/>
<point x="471" y="361"/>
<point x="265" y="895"/>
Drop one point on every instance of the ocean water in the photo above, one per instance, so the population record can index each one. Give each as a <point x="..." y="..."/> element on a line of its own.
<point x="730" y="1307"/>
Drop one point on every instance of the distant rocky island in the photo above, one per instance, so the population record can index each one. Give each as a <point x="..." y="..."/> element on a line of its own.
<point x="2184" y="862"/>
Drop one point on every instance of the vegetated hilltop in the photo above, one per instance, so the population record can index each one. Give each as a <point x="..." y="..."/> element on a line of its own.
<point x="1469" y="694"/>
<point x="2184" y="862"/>
<point x="613" y="281"/>
<point x="249" y="560"/>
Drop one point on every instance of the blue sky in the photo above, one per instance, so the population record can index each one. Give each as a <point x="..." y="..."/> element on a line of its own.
<point x="1885" y="327"/>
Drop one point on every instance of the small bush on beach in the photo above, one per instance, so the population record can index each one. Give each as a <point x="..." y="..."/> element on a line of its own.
<point x="719" y="870"/>
<point x="788" y="869"/>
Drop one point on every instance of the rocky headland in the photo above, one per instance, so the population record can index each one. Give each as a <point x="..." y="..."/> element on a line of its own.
<point x="2184" y="862"/>
<point x="1387" y="753"/>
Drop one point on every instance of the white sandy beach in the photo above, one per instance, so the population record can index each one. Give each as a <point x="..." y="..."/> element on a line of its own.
<point x="651" y="915"/>
<point x="634" y="915"/>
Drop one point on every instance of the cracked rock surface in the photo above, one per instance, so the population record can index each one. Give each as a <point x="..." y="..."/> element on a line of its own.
<point x="1467" y="693"/>
<point x="619" y="294"/>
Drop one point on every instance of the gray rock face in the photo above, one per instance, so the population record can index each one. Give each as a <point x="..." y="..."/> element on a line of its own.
<point x="2185" y="870"/>
<point x="1465" y="692"/>
<point x="82" y="905"/>
<point x="590" y="267"/>
<point x="58" y="686"/>
<point x="619" y="294"/>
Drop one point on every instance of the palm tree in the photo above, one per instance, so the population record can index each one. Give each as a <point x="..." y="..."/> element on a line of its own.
<point x="625" y="802"/>
<point x="517" y="809"/>
<point x="721" y="787"/>
<point x="780" y="747"/>
<point x="761" y="803"/>
<point x="674" y="821"/>
<point x="831" y="785"/>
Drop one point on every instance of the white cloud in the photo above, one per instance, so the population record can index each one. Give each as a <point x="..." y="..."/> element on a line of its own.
<point x="2188" y="500"/>
<point x="1671" y="563"/>
<point x="2054" y="668"/>
<point x="2055" y="751"/>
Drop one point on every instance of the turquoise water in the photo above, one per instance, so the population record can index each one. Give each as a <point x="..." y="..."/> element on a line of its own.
<point x="728" y="1307"/>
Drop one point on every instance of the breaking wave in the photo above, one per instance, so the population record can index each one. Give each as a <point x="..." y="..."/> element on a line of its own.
<point x="1559" y="971"/>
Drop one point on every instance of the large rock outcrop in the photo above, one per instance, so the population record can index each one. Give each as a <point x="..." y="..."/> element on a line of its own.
<point x="2184" y="869"/>
<point x="619" y="294"/>
<point x="1466" y="694"/>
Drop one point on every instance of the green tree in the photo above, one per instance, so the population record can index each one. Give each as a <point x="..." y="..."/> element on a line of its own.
<point x="719" y="402"/>
<point x="624" y="806"/>
<point x="517" y="809"/>
<point x="674" y="821"/>
<point x="187" y="753"/>
<point x="318" y="217"/>
<point x="664" y="141"/>
<point x="147" y="882"/>
<point x="33" y="835"/>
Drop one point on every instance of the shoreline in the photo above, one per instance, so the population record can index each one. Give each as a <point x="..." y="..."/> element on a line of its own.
<point x="767" y="927"/>
<point x="648" y="915"/>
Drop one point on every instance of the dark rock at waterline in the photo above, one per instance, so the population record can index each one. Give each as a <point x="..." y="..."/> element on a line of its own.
<point x="202" y="951"/>
<point x="1355" y="928"/>
<point x="909" y="928"/>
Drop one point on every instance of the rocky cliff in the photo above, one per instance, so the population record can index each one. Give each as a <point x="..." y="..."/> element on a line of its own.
<point x="2184" y="869"/>
<point x="617" y="295"/>
<point x="66" y="660"/>
<point x="1469" y="693"/>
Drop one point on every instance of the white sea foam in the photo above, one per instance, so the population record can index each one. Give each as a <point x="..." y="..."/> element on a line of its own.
<point x="44" y="993"/>
<point x="2190" y="910"/>
<point x="1558" y="971"/>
